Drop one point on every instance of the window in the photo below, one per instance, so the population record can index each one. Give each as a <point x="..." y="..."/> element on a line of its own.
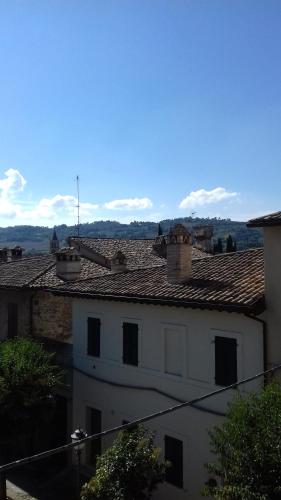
<point x="130" y="344"/>
<point x="174" y="454"/>
<point x="225" y="361"/>
<point x="93" y="348"/>
<point x="94" y="427"/>
<point x="12" y="320"/>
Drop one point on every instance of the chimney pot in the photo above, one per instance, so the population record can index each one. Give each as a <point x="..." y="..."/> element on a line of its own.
<point x="118" y="263"/>
<point x="68" y="264"/>
<point x="179" y="255"/>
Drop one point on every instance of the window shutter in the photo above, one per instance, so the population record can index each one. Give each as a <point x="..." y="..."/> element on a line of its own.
<point x="12" y="320"/>
<point x="130" y="344"/>
<point x="94" y="337"/>
<point x="95" y="428"/>
<point x="174" y="454"/>
<point x="226" y="361"/>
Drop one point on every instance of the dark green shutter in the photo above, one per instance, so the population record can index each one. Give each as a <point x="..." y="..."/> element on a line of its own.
<point x="95" y="428"/>
<point x="130" y="344"/>
<point x="174" y="454"/>
<point x="94" y="337"/>
<point x="226" y="361"/>
<point x="12" y="320"/>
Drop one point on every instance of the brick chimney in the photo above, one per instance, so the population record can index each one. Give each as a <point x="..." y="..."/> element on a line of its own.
<point x="9" y="254"/>
<point x="68" y="264"/>
<point x="179" y="255"/>
<point x="118" y="263"/>
<point x="203" y="238"/>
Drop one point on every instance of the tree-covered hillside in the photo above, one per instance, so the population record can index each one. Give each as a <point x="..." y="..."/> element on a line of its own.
<point x="36" y="238"/>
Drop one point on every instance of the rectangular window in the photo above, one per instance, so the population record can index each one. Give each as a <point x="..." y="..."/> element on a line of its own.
<point x="130" y="344"/>
<point x="93" y="348"/>
<point x="94" y="426"/>
<point x="12" y="320"/>
<point x="225" y="361"/>
<point x="174" y="454"/>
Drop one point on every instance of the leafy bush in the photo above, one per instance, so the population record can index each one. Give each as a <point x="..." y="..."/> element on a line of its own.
<point x="248" y="448"/>
<point x="129" y="470"/>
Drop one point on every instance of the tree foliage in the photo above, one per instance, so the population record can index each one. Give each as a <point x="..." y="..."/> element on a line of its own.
<point x="230" y="244"/>
<point x="27" y="377"/>
<point x="36" y="238"/>
<point x="248" y="448"/>
<point x="129" y="470"/>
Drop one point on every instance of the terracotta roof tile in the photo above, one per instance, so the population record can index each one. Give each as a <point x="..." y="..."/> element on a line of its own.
<point x="40" y="272"/>
<point x="234" y="280"/>
<point x="139" y="252"/>
<point x="273" y="219"/>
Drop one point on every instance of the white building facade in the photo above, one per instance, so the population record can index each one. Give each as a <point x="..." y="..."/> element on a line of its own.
<point x="133" y="359"/>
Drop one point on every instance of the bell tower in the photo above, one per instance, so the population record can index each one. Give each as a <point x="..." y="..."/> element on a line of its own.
<point x="54" y="243"/>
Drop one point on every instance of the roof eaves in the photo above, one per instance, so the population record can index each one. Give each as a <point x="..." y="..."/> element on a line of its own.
<point x="255" y="307"/>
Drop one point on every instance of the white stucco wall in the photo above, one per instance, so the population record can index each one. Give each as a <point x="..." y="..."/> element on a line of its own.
<point x="196" y="350"/>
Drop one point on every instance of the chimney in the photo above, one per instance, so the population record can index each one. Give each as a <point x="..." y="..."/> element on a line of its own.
<point x="118" y="263"/>
<point x="5" y="254"/>
<point x="68" y="264"/>
<point x="179" y="255"/>
<point x="203" y="238"/>
<point x="17" y="252"/>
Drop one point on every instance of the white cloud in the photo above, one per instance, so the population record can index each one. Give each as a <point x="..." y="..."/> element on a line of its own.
<point x="52" y="207"/>
<point x="58" y="209"/>
<point x="129" y="204"/>
<point x="13" y="183"/>
<point x="203" y="197"/>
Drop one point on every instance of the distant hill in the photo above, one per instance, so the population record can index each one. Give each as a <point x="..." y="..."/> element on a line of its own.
<point x="36" y="238"/>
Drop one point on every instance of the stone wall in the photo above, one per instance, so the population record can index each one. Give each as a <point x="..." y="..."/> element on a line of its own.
<point x="22" y="299"/>
<point x="52" y="317"/>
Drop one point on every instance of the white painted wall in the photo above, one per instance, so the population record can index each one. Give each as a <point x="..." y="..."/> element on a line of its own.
<point x="195" y="331"/>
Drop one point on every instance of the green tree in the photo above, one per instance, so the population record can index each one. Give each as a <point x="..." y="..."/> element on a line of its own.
<point x="28" y="376"/>
<point x="230" y="244"/>
<point x="218" y="248"/>
<point x="248" y="448"/>
<point x="129" y="470"/>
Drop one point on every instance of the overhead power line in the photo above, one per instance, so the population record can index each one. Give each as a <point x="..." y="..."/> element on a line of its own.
<point x="152" y="416"/>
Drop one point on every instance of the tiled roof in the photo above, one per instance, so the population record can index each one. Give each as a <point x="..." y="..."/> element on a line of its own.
<point x="273" y="219"/>
<point x="50" y="279"/>
<point x="233" y="281"/>
<point x="40" y="272"/>
<point x="139" y="253"/>
<point x="21" y="272"/>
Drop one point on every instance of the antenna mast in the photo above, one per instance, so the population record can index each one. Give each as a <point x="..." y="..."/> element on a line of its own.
<point x="78" y="206"/>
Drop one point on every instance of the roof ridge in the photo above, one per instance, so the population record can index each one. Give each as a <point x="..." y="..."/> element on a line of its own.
<point x="110" y="238"/>
<point x="41" y="274"/>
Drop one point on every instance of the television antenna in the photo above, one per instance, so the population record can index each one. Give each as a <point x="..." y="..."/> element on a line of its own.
<point x="78" y="205"/>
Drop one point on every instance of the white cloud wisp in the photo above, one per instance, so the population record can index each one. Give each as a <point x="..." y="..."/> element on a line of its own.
<point x="203" y="197"/>
<point x="129" y="204"/>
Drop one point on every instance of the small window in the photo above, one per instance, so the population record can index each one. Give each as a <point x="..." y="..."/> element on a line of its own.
<point x="93" y="348"/>
<point x="94" y="426"/>
<point x="130" y="344"/>
<point x="174" y="454"/>
<point x="12" y="320"/>
<point x="226" y="361"/>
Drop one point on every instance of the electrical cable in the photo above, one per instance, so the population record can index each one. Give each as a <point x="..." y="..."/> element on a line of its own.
<point x="152" y="416"/>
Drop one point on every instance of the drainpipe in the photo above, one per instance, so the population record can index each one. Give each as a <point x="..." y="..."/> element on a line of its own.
<point x="264" y="332"/>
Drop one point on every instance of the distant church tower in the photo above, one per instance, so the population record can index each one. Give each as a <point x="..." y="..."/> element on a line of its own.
<point x="54" y="243"/>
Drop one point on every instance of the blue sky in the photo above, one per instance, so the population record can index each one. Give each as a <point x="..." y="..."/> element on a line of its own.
<point x="163" y="108"/>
